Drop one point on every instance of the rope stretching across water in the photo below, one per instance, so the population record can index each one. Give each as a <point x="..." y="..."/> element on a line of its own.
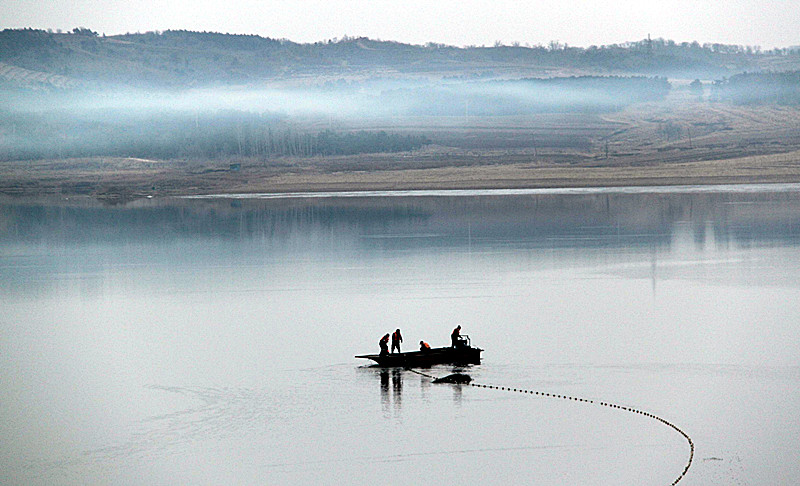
<point x="595" y="402"/>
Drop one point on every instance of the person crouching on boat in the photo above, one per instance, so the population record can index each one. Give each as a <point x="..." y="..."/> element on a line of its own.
<point x="455" y="337"/>
<point x="384" y="344"/>
<point x="396" y="340"/>
<point x="423" y="346"/>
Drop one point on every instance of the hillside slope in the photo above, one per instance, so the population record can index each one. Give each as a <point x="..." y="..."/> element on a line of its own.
<point x="184" y="58"/>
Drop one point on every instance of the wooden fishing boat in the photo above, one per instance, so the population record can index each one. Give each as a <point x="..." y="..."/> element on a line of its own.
<point x="464" y="353"/>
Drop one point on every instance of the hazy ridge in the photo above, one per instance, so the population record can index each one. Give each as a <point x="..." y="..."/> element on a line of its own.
<point x="183" y="58"/>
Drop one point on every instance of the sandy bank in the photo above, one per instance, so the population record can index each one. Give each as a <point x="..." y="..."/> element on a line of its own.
<point x="132" y="178"/>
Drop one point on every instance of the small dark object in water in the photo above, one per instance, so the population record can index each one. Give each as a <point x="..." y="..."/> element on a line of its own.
<point x="454" y="378"/>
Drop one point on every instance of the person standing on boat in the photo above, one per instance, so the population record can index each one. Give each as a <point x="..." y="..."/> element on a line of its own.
<point x="455" y="337"/>
<point x="397" y="338"/>
<point x="384" y="344"/>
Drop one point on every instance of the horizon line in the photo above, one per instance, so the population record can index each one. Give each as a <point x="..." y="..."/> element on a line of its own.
<point x="346" y="37"/>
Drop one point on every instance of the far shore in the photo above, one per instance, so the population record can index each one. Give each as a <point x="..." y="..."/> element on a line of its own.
<point x="129" y="178"/>
<point x="719" y="143"/>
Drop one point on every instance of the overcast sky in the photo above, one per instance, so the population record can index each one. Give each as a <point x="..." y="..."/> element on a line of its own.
<point x="464" y="22"/>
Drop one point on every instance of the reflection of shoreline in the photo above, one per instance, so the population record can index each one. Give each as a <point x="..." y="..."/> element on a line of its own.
<point x="624" y="217"/>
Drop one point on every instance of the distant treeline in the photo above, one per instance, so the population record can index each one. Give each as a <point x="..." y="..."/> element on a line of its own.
<point x="22" y="43"/>
<point x="181" y="135"/>
<point x="758" y="88"/>
<point x="179" y="57"/>
<point x="525" y="96"/>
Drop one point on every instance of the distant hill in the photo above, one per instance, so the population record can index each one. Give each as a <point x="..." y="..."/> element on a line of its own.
<point x="36" y="58"/>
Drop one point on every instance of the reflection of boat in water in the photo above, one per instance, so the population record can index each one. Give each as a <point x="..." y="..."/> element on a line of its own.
<point x="464" y="353"/>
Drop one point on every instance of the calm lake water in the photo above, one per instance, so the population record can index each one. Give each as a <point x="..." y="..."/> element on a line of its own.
<point x="212" y="341"/>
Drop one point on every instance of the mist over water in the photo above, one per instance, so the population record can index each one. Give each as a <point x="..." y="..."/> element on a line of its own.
<point x="212" y="341"/>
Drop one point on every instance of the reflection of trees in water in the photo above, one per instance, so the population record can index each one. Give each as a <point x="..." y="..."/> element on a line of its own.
<point x="555" y="220"/>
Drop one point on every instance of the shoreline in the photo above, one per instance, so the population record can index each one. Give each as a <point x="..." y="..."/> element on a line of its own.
<point x="778" y="187"/>
<point x="125" y="179"/>
<point x="616" y="189"/>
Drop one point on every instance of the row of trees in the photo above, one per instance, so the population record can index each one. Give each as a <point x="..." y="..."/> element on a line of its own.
<point x="758" y="88"/>
<point x="181" y="135"/>
<point x="255" y="141"/>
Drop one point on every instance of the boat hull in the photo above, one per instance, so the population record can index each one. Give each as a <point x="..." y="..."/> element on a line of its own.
<point x="422" y="359"/>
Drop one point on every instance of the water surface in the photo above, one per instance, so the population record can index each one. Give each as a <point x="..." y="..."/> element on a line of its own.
<point x="212" y="341"/>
